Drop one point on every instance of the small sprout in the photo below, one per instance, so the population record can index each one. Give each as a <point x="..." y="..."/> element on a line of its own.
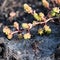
<point x="25" y="25"/>
<point x="28" y="8"/>
<point x="45" y="3"/>
<point x="56" y="9"/>
<point x="20" y="36"/>
<point x="16" y="25"/>
<point x="12" y="14"/>
<point x="6" y="30"/>
<point x="47" y="29"/>
<point x="41" y="14"/>
<point x="9" y="36"/>
<point x="40" y="31"/>
<point x="52" y="13"/>
<point x="36" y="16"/>
<point x="27" y="36"/>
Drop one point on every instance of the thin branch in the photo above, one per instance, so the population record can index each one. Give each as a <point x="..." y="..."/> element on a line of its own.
<point x="15" y="32"/>
<point x="43" y="22"/>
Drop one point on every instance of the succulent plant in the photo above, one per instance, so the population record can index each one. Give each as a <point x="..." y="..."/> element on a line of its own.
<point x="27" y="36"/>
<point x="56" y="9"/>
<point x="12" y="14"/>
<point x="36" y="16"/>
<point x="25" y="25"/>
<point x="9" y="36"/>
<point x="45" y="3"/>
<point x="6" y="30"/>
<point x="40" y="31"/>
<point x="52" y="13"/>
<point x="27" y="8"/>
<point x="40" y="18"/>
<point x="47" y="29"/>
<point x="16" y="25"/>
<point x="41" y="14"/>
<point x="20" y="36"/>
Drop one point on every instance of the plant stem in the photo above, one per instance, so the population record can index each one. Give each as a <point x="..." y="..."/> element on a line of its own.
<point x="44" y="21"/>
<point x="32" y="25"/>
<point x="15" y="32"/>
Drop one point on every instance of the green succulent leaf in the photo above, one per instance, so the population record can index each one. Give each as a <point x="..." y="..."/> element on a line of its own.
<point x="53" y="13"/>
<point x="40" y="31"/>
<point x="36" y="16"/>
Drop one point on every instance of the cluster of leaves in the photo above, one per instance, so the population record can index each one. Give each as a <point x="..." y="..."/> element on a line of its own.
<point x="40" y="19"/>
<point x="10" y="33"/>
